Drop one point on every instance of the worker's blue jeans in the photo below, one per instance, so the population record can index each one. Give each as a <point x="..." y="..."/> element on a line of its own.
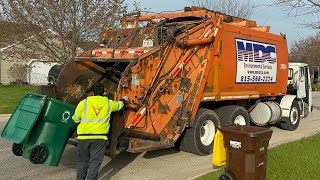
<point x="90" y="156"/>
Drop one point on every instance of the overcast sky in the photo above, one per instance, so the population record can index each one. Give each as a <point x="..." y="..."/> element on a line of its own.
<point x="273" y="16"/>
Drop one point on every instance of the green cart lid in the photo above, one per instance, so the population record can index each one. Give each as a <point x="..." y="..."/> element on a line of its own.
<point x="24" y="117"/>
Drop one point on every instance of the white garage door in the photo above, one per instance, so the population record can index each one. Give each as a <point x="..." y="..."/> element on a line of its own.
<point x="38" y="71"/>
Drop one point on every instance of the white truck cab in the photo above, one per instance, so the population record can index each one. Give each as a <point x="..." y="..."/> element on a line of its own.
<point x="299" y="84"/>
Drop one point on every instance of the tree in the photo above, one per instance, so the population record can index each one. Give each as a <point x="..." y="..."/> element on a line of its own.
<point x="239" y="8"/>
<point x="60" y="27"/>
<point x="302" y="8"/>
<point x="306" y="50"/>
<point x="18" y="72"/>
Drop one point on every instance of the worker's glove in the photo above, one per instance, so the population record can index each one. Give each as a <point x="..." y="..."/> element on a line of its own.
<point x="124" y="99"/>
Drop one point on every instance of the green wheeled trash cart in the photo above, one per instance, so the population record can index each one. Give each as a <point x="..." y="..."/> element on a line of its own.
<point x="40" y="128"/>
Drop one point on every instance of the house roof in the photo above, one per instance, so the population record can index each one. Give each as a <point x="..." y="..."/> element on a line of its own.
<point x="12" y="32"/>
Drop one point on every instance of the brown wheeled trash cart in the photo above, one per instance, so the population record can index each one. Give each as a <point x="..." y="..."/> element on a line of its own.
<point x="246" y="152"/>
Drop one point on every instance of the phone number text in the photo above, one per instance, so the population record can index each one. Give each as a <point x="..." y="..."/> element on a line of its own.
<point x="256" y="79"/>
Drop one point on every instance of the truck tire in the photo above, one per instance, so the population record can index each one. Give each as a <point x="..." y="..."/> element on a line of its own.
<point x="291" y="123"/>
<point x="233" y="114"/>
<point x="199" y="139"/>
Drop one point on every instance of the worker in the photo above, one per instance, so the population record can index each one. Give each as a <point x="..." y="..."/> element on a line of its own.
<point x="93" y="114"/>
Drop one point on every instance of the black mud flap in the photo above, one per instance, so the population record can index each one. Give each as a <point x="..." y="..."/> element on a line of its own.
<point x="114" y="134"/>
<point x="49" y="90"/>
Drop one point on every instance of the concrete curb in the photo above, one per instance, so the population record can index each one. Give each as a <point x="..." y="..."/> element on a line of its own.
<point x="5" y="115"/>
<point x="193" y="178"/>
<point x="293" y="139"/>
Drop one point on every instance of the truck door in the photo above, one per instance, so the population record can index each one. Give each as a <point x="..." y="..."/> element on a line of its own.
<point x="301" y="93"/>
<point x="308" y="88"/>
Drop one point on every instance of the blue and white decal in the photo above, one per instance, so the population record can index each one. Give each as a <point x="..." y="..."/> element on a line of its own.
<point x="256" y="62"/>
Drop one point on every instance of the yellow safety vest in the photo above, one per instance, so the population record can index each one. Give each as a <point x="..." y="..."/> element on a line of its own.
<point x="93" y="114"/>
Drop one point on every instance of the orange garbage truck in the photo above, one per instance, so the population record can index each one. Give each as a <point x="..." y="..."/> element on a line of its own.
<point x="185" y="74"/>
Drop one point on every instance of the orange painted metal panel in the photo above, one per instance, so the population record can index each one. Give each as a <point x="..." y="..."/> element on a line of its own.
<point x="261" y="74"/>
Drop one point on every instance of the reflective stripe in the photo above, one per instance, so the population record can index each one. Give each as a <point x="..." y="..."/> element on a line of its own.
<point x="92" y="134"/>
<point x="94" y="120"/>
<point x="76" y="117"/>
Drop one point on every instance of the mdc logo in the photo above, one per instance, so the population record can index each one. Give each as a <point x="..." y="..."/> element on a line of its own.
<point x="251" y="51"/>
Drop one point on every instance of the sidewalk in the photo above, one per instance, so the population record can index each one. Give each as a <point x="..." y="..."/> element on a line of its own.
<point x="4" y="117"/>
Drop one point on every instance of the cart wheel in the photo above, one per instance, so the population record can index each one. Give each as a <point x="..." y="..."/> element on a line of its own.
<point x="17" y="149"/>
<point x="39" y="154"/>
<point x="225" y="177"/>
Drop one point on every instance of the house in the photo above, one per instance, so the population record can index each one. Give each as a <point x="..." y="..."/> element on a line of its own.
<point x="14" y="56"/>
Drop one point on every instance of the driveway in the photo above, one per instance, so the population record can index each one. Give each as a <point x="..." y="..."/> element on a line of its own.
<point x="161" y="164"/>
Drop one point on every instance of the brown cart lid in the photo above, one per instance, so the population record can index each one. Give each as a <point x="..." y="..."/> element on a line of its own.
<point x="249" y="131"/>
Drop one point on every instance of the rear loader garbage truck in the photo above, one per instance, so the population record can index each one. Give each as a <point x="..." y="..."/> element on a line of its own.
<point x="185" y="73"/>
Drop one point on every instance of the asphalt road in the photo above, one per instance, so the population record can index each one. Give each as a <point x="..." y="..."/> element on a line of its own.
<point x="161" y="164"/>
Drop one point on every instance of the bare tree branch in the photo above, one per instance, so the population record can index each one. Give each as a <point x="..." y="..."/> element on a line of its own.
<point x="303" y="8"/>
<point x="306" y="50"/>
<point x="238" y="8"/>
<point x="59" y="27"/>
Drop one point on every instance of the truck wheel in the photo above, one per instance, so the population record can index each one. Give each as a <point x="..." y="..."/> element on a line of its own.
<point x="17" y="149"/>
<point x="292" y="122"/>
<point x="199" y="139"/>
<point x="233" y="115"/>
<point x="38" y="154"/>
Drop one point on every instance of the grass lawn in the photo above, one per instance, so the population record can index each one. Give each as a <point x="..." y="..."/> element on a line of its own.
<point x="296" y="160"/>
<point x="10" y="96"/>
